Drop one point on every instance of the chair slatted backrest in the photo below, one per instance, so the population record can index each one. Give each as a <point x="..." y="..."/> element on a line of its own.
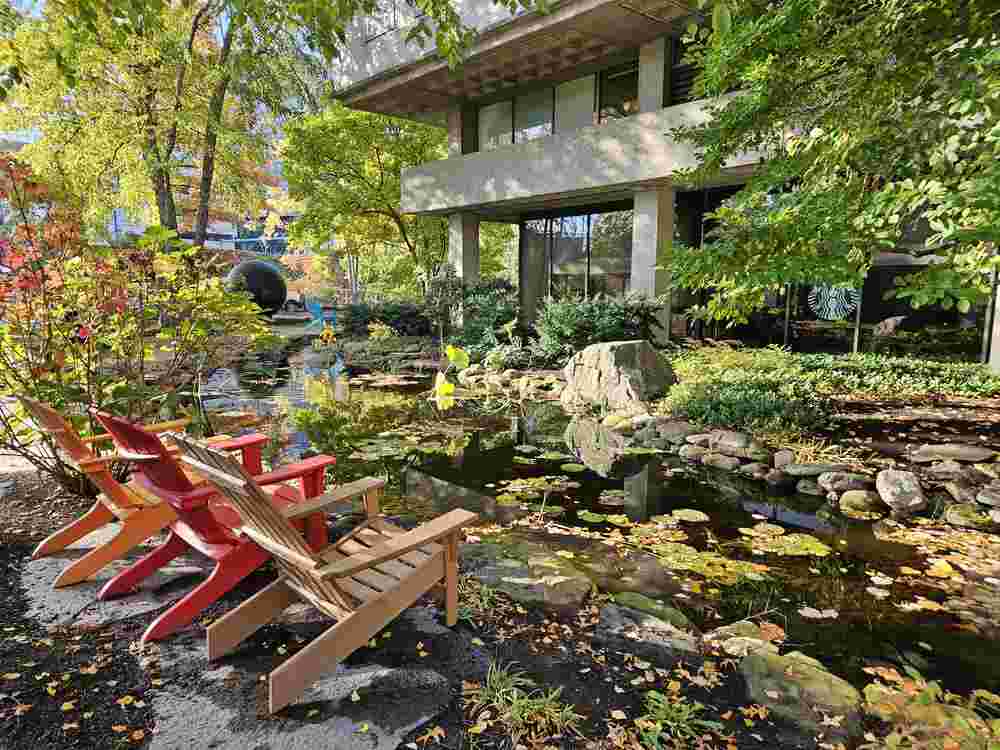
<point x="78" y="451"/>
<point x="266" y="525"/>
<point x="165" y="473"/>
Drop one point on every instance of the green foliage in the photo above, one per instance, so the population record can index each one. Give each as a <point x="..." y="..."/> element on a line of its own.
<point x="773" y="390"/>
<point x="674" y="719"/>
<point x="487" y="307"/>
<point x="337" y="427"/>
<point x="508" y="700"/>
<point x="866" y="117"/>
<point x="381" y="331"/>
<point x="405" y="319"/>
<point x="124" y="329"/>
<point x="566" y="326"/>
<point x="444" y="298"/>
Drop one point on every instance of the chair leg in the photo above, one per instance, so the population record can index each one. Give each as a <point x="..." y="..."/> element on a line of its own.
<point x="229" y="571"/>
<point x="451" y="580"/>
<point x="286" y="683"/>
<point x="144" y="568"/>
<point x="236" y="625"/>
<point x="316" y="534"/>
<point x="136" y="528"/>
<point x="92" y="520"/>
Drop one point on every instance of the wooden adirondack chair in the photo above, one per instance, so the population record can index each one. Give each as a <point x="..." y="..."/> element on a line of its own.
<point x="364" y="580"/>
<point x="203" y="522"/>
<point x="140" y="515"/>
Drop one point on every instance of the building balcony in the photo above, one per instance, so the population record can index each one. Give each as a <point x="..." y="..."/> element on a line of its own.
<point x="593" y="164"/>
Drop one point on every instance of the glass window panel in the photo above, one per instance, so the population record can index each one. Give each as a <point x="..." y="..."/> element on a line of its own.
<point x="533" y="115"/>
<point x="610" y="253"/>
<point x="495" y="122"/>
<point x="575" y="104"/>
<point x="569" y="256"/>
<point x="620" y="92"/>
<point x="381" y="20"/>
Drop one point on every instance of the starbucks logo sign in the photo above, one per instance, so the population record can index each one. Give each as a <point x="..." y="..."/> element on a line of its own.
<point x="833" y="302"/>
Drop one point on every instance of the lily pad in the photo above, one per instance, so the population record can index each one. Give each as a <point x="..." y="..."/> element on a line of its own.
<point x="553" y="456"/>
<point x="573" y="468"/>
<point x="763" y="530"/>
<point x="791" y="545"/>
<point x="523" y="460"/>
<point x="612" y="498"/>
<point x="526" y="449"/>
<point x="689" y="515"/>
<point x="590" y="517"/>
<point x="548" y="510"/>
<point x="619" y="520"/>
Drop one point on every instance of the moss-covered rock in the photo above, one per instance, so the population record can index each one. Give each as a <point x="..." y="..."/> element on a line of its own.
<point x="642" y="603"/>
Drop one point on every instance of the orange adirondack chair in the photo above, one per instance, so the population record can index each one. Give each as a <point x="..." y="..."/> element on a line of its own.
<point x="364" y="580"/>
<point x="141" y="515"/>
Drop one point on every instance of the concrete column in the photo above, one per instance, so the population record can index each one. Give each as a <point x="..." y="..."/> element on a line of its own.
<point x="455" y="130"/>
<point x="995" y="337"/>
<point x="652" y="75"/>
<point x="463" y="246"/>
<point x="652" y="230"/>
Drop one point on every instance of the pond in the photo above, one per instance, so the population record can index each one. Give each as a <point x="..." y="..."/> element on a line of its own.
<point x="849" y="592"/>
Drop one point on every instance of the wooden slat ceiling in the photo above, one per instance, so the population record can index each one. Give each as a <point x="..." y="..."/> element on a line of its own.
<point x="512" y="57"/>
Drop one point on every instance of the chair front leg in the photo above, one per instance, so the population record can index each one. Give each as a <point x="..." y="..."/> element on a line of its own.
<point x="145" y="567"/>
<point x="93" y="519"/>
<point x="232" y="628"/>
<point x="451" y="579"/>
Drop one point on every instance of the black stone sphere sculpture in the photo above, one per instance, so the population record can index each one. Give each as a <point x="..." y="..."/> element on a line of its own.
<point x="263" y="281"/>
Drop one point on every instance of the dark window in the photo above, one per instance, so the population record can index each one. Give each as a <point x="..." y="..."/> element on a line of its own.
<point x="619" y="92"/>
<point x="682" y="75"/>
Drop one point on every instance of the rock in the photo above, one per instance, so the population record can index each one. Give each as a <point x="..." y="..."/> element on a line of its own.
<point x="989" y="495"/>
<point x="473" y="372"/>
<point x="901" y="491"/>
<point x="546" y="581"/>
<point x="642" y="603"/>
<point x="813" y="470"/>
<point x="778" y="480"/>
<point x="702" y="440"/>
<point x="809" y="487"/>
<point x="888" y="327"/>
<point x="738" y="444"/>
<point x="692" y="452"/>
<point x="741" y="628"/>
<point x="7" y="488"/>
<point x="755" y="470"/>
<point x="994" y="515"/>
<point x="953" y="452"/>
<point x="783" y="459"/>
<point x="947" y="469"/>
<point x="648" y="637"/>
<point x="720" y="461"/>
<point x="799" y="691"/>
<point x="642" y="420"/>
<point x="620" y="375"/>
<point x="961" y="490"/>
<point x="740" y="646"/>
<point x="601" y="449"/>
<point x="676" y="431"/>
<point x="841" y="481"/>
<point x="967" y="515"/>
<point x="862" y="504"/>
<point x="931" y="720"/>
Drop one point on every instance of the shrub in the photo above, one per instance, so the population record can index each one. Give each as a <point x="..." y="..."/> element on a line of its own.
<point x="405" y="319"/>
<point x="756" y="405"/>
<point x="566" y="326"/>
<point x="381" y="331"/>
<point x="124" y="329"/>
<point x="487" y="308"/>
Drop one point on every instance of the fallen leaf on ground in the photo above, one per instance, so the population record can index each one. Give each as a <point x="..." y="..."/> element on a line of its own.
<point x="435" y="733"/>
<point x="619" y="715"/>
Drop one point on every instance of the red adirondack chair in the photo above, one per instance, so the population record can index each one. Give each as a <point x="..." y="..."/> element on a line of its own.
<point x="205" y="523"/>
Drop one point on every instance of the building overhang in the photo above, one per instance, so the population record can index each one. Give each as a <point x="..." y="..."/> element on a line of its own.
<point x="533" y="47"/>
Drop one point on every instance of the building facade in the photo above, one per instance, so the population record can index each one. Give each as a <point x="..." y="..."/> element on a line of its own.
<point x="559" y="122"/>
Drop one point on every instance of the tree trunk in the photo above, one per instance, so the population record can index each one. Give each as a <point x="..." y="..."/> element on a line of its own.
<point x="158" y="165"/>
<point x="212" y="135"/>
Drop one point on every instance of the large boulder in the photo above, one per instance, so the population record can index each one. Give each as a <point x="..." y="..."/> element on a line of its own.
<point x="842" y="481"/>
<point x="642" y="634"/>
<point x="602" y="449"/>
<point x="619" y="375"/>
<point x="740" y="445"/>
<point x="546" y="581"/>
<point x="901" y="491"/>
<point x="799" y="690"/>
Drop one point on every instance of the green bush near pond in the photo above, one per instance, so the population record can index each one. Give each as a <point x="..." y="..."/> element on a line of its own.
<point x="774" y="389"/>
<point x="566" y="326"/>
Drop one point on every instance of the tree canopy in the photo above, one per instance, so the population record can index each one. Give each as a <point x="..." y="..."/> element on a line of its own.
<point x="877" y="124"/>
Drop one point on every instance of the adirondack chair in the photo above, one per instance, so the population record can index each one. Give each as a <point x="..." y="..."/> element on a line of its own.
<point x="364" y="580"/>
<point x="140" y="515"/>
<point x="204" y="523"/>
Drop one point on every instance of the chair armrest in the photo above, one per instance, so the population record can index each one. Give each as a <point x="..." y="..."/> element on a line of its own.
<point x="170" y="426"/>
<point x="238" y="443"/>
<point x="296" y="470"/>
<point x="398" y="546"/>
<point x="343" y="494"/>
<point x="97" y="464"/>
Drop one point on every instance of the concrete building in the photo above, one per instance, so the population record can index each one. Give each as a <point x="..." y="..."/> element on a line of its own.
<point x="558" y="122"/>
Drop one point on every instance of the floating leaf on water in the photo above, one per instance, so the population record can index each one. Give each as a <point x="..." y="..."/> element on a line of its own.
<point x="941" y="569"/>
<point x="590" y="517"/>
<point x="877" y="592"/>
<point x="612" y="498"/>
<point x="689" y="515"/>
<point x="553" y="456"/>
<point x="526" y="449"/>
<point x="763" y="530"/>
<point x="620" y="520"/>
<point x="791" y="545"/>
<point x="818" y="614"/>
<point x="573" y="468"/>
<point x="523" y="460"/>
<point x="921" y="605"/>
<point x="549" y="510"/>
<point x="507" y="499"/>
